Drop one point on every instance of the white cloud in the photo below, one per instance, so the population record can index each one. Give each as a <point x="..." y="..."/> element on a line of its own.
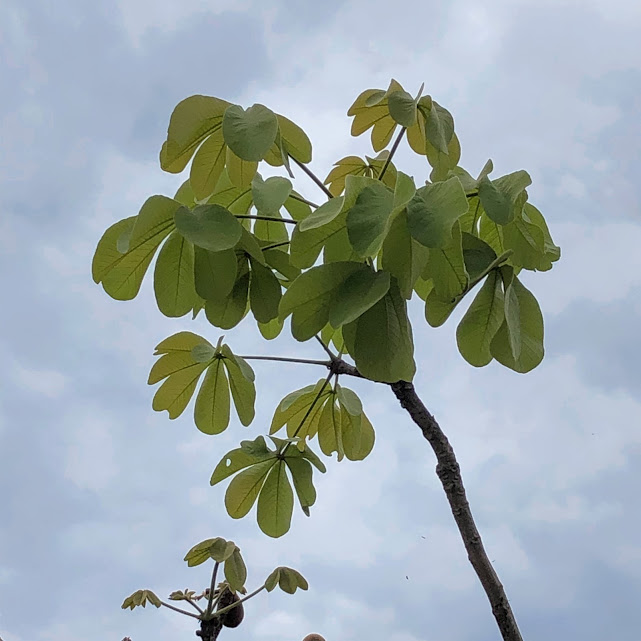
<point x="48" y="383"/>
<point x="89" y="459"/>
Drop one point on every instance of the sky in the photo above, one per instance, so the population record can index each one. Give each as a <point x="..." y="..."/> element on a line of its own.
<point x="101" y="496"/>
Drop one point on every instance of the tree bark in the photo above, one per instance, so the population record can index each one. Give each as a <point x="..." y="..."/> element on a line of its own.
<point x="449" y="473"/>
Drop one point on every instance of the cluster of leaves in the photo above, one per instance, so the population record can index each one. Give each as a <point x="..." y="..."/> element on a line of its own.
<point x="226" y="553"/>
<point x="233" y="242"/>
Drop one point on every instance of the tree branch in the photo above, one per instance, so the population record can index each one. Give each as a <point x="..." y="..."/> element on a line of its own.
<point x="449" y="473"/>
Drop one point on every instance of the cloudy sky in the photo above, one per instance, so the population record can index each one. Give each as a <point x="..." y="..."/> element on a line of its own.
<point x="100" y="496"/>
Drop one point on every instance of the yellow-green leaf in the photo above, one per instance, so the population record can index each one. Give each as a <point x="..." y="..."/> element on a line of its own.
<point x="211" y="412"/>
<point x="276" y="502"/>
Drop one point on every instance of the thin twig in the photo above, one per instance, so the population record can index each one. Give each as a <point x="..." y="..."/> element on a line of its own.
<point x="212" y="587"/>
<point x="275" y="219"/>
<point x="286" y="359"/>
<point x="397" y="142"/>
<point x="237" y="603"/>
<point x="314" y="177"/>
<point x="175" y="609"/>
<point x="325" y="347"/>
<point x="304" y="200"/>
<point x="281" y="244"/>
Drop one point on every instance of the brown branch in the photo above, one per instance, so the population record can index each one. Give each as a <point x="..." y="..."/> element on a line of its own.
<point x="449" y="472"/>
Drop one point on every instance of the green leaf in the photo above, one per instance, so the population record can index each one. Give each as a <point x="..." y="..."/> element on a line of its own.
<point x="264" y="293"/>
<point x="174" y="277"/>
<point x="276" y="502"/>
<point x="348" y="166"/>
<point x="270" y="195"/>
<point x="481" y="322"/>
<point x="477" y="255"/>
<point x="323" y="215"/>
<point x="308" y="298"/>
<point x="552" y="252"/>
<point x="294" y="140"/>
<point x="211" y="227"/>
<point x="236" y="571"/>
<point x="437" y="311"/>
<point x="203" y="353"/>
<point x="238" y="200"/>
<point x="527" y="241"/>
<point x="208" y="165"/>
<point x="280" y="262"/>
<point x="310" y="456"/>
<point x="369" y="219"/>
<point x="272" y="580"/>
<point x="402" y="107"/>
<point x="301" y="471"/>
<point x="250" y="245"/>
<point x="242" y="388"/>
<point x="442" y="163"/>
<point x="530" y="323"/>
<point x="270" y="331"/>
<point x="241" y="172"/>
<point x="193" y="120"/>
<point x="250" y="133"/>
<point x="241" y="458"/>
<point x="330" y="436"/>
<point x="180" y="369"/>
<point x="245" y="487"/>
<point x="140" y="597"/>
<point x="349" y="400"/>
<point x="446" y="267"/>
<point x="217" y="549"/>
<point x="358" y="292"/>
<point x="211" y="412"/>
<point x="439" y="127"/>
<point x="289" y="580"/>
<point x="358" y="435"/>
<point x="121" y="274"/>
<point x="513" y="320"/>
<point x="228" y="312"/>
<point x="305" y="246"/>
<point x="403" y="257"/>
<point x="500" y="198"/>
<point x="434" y="210"/>
<point x="383" y="347"/>
<point x="214" y="273"/>
<point x="404" y="190"/>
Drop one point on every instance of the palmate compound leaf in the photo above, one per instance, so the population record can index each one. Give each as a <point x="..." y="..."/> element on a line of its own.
<point x="192" y="121"/>
<point x="140" y="598"/>
<point x="217" y="549"/>
<point x="184" y="358"/>
<point x="250" y="133"/>
<point x="308" y="298"/>
<point x="121" y="273"/>
<point x="371" y="109"/>
<point x="526" y="321"/>
<point x="263" y="477"/>
<point x="481" y="322"/>
<point x="287" y="579"/>
<point x="300" y="410"/>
